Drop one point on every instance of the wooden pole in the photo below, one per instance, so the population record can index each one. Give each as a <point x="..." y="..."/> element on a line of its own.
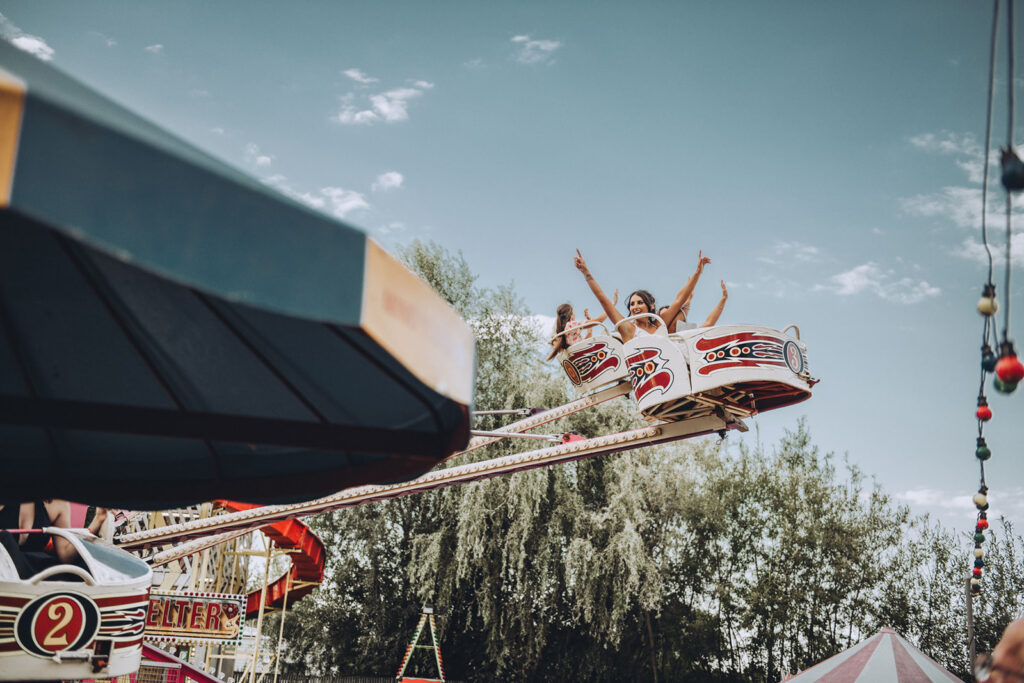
<point x="259" y="618"/>
<point x="970" y="624"/>
<point x="284" y="611"/>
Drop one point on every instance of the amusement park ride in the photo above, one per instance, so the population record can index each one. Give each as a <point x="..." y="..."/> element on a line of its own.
<point x="194" y="346"/>
<point x="699" y="381"/>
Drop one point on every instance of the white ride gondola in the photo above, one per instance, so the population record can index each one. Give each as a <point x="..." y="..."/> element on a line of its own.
<point x="738" y="370"/>
<point x="74" y="621"/>
<point x="595" y="361"/>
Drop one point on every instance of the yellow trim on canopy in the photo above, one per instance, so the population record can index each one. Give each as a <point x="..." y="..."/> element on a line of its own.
<point x="12" y="103"/>
<point x="416" y="326"/>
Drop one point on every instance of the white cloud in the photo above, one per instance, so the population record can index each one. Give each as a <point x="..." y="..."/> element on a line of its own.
<point x="359" y="77"/>
<point x="771" y="284"/>
<point x="957" y="508"/>
<point x="475" y="63"/>
<point x="217" y="131"/>
<point x="786" y="252"/>
<point x="870" y="278"/>
<point x="388" y="181"/>
<point x="947" y="143"/>
<point x="389" y="106"/>
<point x="941" y="504"/>
<point x="393" y="228"/>
<point x="280" y="182"/>
<point x="975" y="169"/>
<point x="34" y="45"/>
<point x="342" y="201"/>
<point x="965" y="146"/>
<point x="349" y="115"/>
<point x="532" y="51"/>
<point x="961" y="205"/>
<point x="254" y="156"/>
<point x="199" y="92"/>
<point x="544" y="323"/>
<point x="393" y="105"/>
<point x="974" y="250"/>
<point x="155" y="49"/>
<point x="336" y="201"/>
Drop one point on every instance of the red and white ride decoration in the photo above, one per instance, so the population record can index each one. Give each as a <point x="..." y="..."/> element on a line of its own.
<point x="593" y="362"/>
<point x="735" y="370"/>
<point x="74" y="621"/>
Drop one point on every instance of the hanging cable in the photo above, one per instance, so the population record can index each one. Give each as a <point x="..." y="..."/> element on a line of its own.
<point x="993" y="42"/>
<point x="1009" y="145"/>
<point x="1012" y="179"/>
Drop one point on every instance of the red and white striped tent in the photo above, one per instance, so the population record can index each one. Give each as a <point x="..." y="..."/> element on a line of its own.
<point x="886" y="657"/>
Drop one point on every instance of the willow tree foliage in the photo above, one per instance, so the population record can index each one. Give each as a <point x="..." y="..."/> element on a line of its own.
<point x="684" y="562"/>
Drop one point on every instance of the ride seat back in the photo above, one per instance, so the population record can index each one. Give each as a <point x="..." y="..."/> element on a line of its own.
<point x="594" y="362"/>
<point x="657" y="371"/>
<point x="71" y="622"/>
<point x="758" y="359"/>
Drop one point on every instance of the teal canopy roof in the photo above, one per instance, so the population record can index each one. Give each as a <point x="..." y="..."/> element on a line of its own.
<point x="173" y="331"/>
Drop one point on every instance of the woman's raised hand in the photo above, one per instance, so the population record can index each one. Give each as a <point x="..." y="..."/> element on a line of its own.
<point x="615" y="298"/>
<point x="702" y="261"/>
<point x="581" y="264"/>
<point x="725" y="292"/>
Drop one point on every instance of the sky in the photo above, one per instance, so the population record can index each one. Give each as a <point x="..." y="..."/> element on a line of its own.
<point x="827" y="156"/>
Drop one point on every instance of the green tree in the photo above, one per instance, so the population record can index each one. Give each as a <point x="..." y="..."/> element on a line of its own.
<point x="684" y="562"/>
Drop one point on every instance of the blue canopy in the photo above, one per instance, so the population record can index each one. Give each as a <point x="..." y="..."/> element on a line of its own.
<point x="173" y="331"/>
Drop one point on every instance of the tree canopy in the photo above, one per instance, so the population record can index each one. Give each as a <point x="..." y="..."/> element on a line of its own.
<point x="683" y="562"/>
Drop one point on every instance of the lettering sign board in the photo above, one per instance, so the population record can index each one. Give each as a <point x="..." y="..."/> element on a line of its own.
<point x="195" y="617"/>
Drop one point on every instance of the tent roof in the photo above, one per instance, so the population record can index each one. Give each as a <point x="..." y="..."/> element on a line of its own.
<point x="886" y="657"/>
<point x="172" y="330"/>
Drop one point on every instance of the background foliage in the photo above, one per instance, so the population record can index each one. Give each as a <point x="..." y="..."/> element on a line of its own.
<point x="675" y="563"/>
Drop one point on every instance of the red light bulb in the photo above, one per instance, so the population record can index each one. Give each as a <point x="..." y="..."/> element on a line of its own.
<point x="1009" y="369"/>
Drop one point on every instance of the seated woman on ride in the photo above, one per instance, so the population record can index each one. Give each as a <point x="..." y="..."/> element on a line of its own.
<point x="640" y="301"/>
<point x="712" y="318"/>
<point x="33" y="552"/>
<point x="565" y="321"/>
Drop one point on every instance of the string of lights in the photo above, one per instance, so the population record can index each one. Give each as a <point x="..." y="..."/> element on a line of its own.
<point x="1007" y="369"/>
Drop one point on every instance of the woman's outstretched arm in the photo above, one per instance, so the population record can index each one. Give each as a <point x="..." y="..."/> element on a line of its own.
<point x="604" y="316"/>
<point x="716" y="312"/>
<point x="59" y="512"/>
<point x="684" y="313"/>
<point x="554" y="351"/>
<point x="687" y="291"/>
<point x="609" y="308"/>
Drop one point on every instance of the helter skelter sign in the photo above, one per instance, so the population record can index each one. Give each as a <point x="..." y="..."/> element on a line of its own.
<point x="195" y="617"/>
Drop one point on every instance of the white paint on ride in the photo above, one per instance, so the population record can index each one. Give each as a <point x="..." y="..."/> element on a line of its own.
<point x="70" y="621"/>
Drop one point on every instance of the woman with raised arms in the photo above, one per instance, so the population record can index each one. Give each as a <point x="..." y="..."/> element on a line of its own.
<point x="684" y="312"/>
<point x="640" y="301"/>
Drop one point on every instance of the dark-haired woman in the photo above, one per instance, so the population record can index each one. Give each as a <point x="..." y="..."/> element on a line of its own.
<point x="565" y="321"/>
<point x="640" y="301"/>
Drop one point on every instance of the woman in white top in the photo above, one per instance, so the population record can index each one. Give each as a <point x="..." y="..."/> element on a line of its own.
<point x="640" y="301"/>
<point x="684" y="312"/>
